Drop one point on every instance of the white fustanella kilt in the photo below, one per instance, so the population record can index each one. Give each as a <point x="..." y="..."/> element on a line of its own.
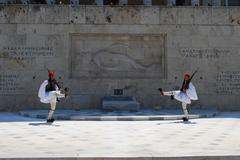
<point x="187" y="96"/>
<point x="47" y="97"/>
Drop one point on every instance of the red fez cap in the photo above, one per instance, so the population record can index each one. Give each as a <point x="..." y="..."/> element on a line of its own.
<point x="51" y="74"/>
<point x="186" y="75"/>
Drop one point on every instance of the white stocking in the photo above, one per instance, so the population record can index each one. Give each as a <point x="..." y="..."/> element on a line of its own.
<point x="170" y="93"/>
<point x="184" y="107"/>
<point x="51" y="111"/>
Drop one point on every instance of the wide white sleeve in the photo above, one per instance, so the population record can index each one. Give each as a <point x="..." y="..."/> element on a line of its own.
<point x="191" y="92"/>
<point x="57" y="89"/>
<point x="42" y="89"/>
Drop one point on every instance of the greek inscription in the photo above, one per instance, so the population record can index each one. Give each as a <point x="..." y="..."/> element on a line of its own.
<point x="9" y="83"/>
<point x="25" y="53"/>
<point x="201" y="53"/>
<point x="228" y="82"/>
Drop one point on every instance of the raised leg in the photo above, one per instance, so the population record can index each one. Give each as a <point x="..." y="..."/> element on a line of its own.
<point x="170" y="93"/>
<point x="60" y="95"/>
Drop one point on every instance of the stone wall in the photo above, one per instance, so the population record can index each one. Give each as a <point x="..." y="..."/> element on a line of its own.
<point x="95" y="50"/>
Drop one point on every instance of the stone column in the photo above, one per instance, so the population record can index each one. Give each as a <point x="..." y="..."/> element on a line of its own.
<point x="123" y="2"/>
<point x="99" y="2"/>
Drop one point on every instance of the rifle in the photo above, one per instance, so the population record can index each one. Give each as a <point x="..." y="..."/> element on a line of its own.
<point x="193" y="75"/>
<point x="186" y="84"/>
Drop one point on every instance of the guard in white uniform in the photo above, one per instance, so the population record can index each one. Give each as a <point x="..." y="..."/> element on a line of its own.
<point x="49" y="92"/>
<point x="184" y="95"/>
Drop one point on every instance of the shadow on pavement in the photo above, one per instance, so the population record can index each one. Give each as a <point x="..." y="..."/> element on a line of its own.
<point x="44" y="124"/>
<point x="176" y="122"/>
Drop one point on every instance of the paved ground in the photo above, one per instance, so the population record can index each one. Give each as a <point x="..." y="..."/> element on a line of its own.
<point x="27" y="137"/>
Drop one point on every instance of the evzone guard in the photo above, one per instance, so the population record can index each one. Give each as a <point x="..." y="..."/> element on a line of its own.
<point x="50" y="92"/>
<point x="184" y="95"/>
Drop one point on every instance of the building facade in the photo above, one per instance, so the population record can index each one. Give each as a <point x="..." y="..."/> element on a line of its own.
<point x="130" y="2"/>
<point x="98" y="49"/>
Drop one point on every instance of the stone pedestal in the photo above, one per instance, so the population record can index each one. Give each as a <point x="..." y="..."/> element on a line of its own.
<point x="120" y="103"/>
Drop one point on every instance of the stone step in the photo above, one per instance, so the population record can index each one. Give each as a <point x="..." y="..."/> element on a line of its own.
<point x="120" y="103"/>
<point x="229" y="157"/>
<point x="79" y="116"/>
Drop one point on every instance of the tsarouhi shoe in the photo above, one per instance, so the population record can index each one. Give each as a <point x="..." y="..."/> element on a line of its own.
<point x="185" y="119"/>
<point x="66" y="92"/>
<point x="160" y="90"/>
<point x="50" y="120"/>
